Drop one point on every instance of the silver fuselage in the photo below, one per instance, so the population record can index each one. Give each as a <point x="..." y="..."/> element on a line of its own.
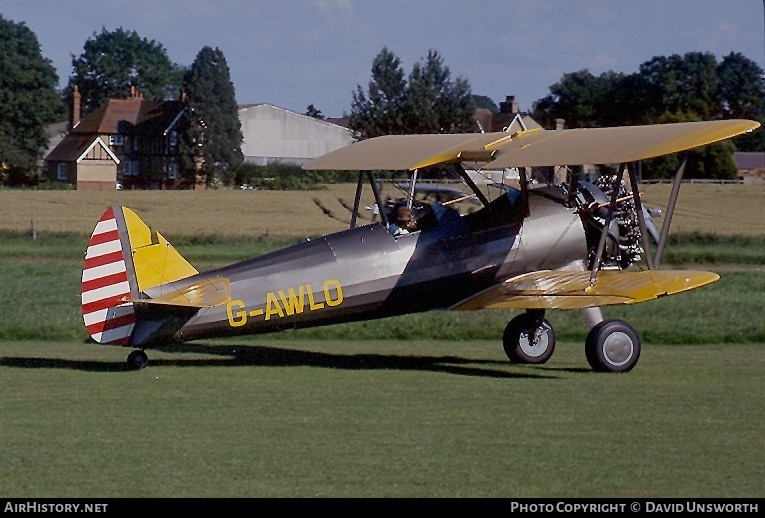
<point x="365" y="272"/>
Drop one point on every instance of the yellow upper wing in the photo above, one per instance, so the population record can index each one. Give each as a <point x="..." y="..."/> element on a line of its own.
<point x="530" y="148"/>
<point x="400" y="152"/>
<point x="572" y="290"/>
<point x="614" y="145"/>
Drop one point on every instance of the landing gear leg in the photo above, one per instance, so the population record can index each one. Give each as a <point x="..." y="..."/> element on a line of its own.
<point x="593" y="316"/>
<point x="529" y="338"/>
<point x="137" y="360"/>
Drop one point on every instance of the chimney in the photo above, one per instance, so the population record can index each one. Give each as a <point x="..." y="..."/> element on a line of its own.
<point x="76" y="106"/>
<point x="509" y="105"/>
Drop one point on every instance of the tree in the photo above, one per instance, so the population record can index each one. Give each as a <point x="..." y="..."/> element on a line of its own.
<point x="211" y="142"/>
<point x="741" y="86"/>
<point x="429" y="102"/>
<point x="379" y="111"/>
<point x="686" y="84"/>
<point x="112" y="62"/>
<point x="484" y="101"/>
<point x="28" y="98"/>
<point x="433" y="103"/>
<point x="577" y="98"/>
<point x="742" y="92"/>
<point x="314" y="112"/>
<point x="666" y="89"/>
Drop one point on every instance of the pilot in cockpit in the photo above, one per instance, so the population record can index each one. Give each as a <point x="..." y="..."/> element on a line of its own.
<point x="404" y="222"/>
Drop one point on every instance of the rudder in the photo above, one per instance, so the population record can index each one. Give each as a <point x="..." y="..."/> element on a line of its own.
<point x="124" y="257"/>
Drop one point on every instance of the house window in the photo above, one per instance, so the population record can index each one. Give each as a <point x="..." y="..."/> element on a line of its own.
<point x="172" y="170"/>
<point x="62" y="172"/>
<point x="135" y="143"/>
<point x="173" y="138"/>
<point x="116" y="140"/>
<point x="130" y="168"/>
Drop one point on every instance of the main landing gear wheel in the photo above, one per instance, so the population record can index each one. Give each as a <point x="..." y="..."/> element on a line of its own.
<point x="529" y="338"/>
<point x="137" y="360"/>
<point x="612" y="346"/>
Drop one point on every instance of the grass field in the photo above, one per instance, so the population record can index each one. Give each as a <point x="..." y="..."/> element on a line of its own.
<point x="378" y="419"/>
<point x="716" y="209"/>
<point x="418" y="406"/>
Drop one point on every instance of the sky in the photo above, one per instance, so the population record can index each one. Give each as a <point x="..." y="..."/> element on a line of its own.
<point x="292" y="53"/>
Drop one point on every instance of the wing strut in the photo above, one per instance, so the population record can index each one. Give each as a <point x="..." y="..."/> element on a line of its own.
<point x="670" y="210"/>
<point x="470" y="183"/>
<point x="641" y="218"/>
<point x="357" y="200"/>
<point x="378" y="199"/>
<point x="412" y="188"/>
<point x="604" y="234"/>
<point x="524" y="191"/>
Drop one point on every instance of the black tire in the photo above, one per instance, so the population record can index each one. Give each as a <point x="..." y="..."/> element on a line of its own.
<point x="516" y="342"/>
<point x="612" y="346"/>
<point x="137" y="360"/>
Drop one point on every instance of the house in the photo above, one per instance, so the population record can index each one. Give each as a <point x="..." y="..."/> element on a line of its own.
<point x="750" y="166"/>
<point x="131" y="142"/>
<point x="273" y="134"/>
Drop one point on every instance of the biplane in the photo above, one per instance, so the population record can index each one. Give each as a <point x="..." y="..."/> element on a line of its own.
<point x="575" y="244"/>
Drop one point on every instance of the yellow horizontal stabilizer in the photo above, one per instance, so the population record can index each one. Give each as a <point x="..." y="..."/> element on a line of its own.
<point x="572" y="290"/>
<point x="204" y="293"/>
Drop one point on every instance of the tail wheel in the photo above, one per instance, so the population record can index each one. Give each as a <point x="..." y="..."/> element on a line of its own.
<point x="529" y="338"/>
<point x="137" y="360"/>
<point x="612" y="346"/>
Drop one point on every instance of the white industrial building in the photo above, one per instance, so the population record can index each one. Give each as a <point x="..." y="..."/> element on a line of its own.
<point x="273" y="134"/>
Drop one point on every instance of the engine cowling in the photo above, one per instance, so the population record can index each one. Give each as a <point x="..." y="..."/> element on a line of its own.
<point x="623" y="244"/>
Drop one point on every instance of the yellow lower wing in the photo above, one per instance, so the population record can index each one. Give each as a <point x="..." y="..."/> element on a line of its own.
<point x="572" y="290"/>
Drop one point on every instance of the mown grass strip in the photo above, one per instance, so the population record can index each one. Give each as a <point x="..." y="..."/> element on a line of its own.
<point x="416" y="418"/>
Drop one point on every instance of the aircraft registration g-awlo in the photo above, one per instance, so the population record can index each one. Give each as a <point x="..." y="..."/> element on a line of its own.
<point x="574" y="244"/>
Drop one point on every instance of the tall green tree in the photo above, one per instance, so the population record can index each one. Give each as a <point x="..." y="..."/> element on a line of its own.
<point x="429" y="102"/>
<point x="577" y="98"/>
<point x="741" y="86"/>
<point x="113" y="61"/>
<point x="742" y="93"/>
<point x="28" y="98"/>
<point x="211" y="143"/>
<point x="684" y="84"/>
<point x="433" y="103"/>
<point x="378" y="111"/>
<point x="666" y="89"/>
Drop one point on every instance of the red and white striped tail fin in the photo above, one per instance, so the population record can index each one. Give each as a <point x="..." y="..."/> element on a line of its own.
<point x="108" y="315"/>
